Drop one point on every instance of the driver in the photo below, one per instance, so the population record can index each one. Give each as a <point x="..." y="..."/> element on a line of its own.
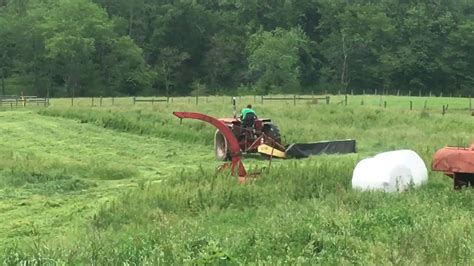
<point x="248" y="116"/>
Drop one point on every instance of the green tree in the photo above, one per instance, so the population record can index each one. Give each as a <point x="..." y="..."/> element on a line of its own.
<point x="6" y="50"/>
<point x="73" y="30"/>
<point x="354" y="39"/>
<point x="87" y="54"/>
<point x="225" y="62"/>
<point x="188" y="28"/>
<point x="121" y="47"/>
<point x="126" y="71"/>
<point x="170" y="60"/>
<point x="458" y="58"/>
<point x="274" y="59"/>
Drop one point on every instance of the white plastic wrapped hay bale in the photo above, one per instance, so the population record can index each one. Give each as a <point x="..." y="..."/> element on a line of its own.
<point x="390" y="171"/>
<point x="410" y="159"/>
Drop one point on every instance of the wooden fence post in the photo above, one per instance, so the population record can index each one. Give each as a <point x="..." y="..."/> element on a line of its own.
<point x="345" y="100"/>
<point x="411" y="105"/>
<point x="398" y="92"/>
<point x="72" y="101"/>
<point x="134" y="100"/>
<point x="294" y="100"/>
<point x="92" y="101"/>
<point x="327" y="99"/>
<point x="100" y="101"/>
<point x="385" y="104"/>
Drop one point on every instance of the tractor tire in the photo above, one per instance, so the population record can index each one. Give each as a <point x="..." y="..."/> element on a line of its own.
<point x="221" y="147"/>
<point x="272" y="131"/>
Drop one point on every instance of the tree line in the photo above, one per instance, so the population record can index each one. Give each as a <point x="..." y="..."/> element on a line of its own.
<point x="182" y="47"/>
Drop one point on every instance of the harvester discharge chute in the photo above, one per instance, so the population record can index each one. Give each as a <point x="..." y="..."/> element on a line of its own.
<point x="232" y="138"/>
<point x="457" y="163"/>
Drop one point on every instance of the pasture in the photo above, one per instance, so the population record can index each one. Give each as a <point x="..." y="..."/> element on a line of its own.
<point x="127" y="183"/>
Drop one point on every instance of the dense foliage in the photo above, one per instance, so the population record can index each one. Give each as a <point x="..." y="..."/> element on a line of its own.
<point x="146" y="47"/>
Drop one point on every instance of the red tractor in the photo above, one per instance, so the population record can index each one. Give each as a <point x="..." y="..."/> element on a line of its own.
<point x="250" y="136"/>
<point x="235" y="136"/>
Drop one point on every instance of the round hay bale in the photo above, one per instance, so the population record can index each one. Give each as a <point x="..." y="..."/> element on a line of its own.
<point x="390" y="171"/>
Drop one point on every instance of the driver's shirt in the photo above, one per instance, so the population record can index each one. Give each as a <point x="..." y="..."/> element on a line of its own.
<point x="245" y="111"/>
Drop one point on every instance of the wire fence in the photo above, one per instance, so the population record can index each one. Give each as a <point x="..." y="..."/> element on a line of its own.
<point x="443" y="104"/>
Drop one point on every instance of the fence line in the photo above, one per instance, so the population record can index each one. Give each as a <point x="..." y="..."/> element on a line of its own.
<point x="294" y="99"/>
<point x="22" y="100"/>
<point x="343" y="100"/>
<point x="153" y="100"/>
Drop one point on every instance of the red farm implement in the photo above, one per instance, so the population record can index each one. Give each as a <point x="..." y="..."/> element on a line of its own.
<point x="233" y="138"/>
<point x="457" y="163"/>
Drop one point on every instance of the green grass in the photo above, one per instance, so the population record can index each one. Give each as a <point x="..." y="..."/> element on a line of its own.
<point x="129" y="184"/>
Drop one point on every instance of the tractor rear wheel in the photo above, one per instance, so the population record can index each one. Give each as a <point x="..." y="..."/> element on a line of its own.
<point x="272" y="131"/>
<point x="221" y="147"/>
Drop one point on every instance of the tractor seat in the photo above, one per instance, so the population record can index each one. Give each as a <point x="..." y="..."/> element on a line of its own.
<point x="248" y="129"/>
<point x="249" y="121"/>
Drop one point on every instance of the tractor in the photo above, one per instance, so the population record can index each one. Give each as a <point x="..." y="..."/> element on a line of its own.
<point x="235" y="137"/>
<point x="259" y="135"/>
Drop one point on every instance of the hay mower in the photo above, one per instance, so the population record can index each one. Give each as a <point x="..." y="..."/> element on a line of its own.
<point x="457" y="163"/>
<point x="234" y="138"/>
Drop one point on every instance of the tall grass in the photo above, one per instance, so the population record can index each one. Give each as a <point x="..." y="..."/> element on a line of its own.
<point x="298" y="212"/>
<point x="374" y="128"/>
<point x="291" y="215"/>
<point x="139" y="122"/>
